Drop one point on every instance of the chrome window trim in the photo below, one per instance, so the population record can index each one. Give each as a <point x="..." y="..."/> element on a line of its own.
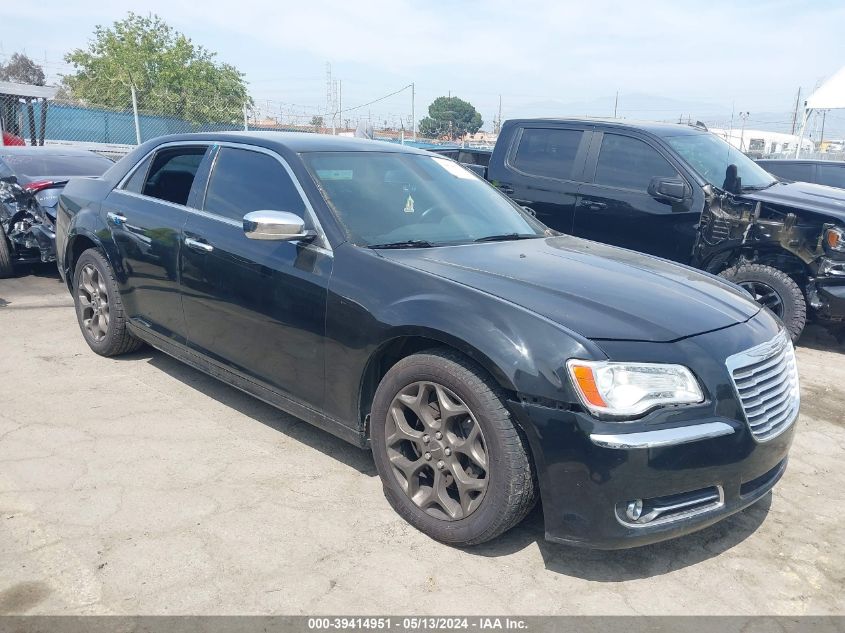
<point x="662" y="437"/>
<point x="324" y="245"/>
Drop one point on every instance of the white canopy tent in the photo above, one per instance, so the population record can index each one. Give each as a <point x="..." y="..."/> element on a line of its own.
<point x="829" y="96"/>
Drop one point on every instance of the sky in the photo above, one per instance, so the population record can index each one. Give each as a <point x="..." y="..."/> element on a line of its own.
<point x="665" y="59"/>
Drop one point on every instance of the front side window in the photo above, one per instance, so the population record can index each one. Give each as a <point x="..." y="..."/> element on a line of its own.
<point x="547" y="152"/>
<point x="172" y="172"/>
<point x="244" y="181"/>
<point x="719" y="163"/>
<point x="800" y="172"/>
<point x="388" y="198"/>
<point x="629" y="163"/>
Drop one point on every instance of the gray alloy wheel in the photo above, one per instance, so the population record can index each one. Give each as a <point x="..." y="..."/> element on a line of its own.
<point x="437" y="451"/>
<point x="93" y="298"/>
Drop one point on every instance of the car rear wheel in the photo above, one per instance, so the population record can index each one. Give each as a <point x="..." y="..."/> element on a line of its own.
<point x="99" y="308"/>
<point x="452" y="462"/>
<point x="6" y="268"/>
<point x="775" y="290"/>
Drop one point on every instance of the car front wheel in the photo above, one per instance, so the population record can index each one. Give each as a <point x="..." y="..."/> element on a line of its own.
<point x="452" y="462"/>
<point x="6" y="267"/>
<point x="775" y="290"/>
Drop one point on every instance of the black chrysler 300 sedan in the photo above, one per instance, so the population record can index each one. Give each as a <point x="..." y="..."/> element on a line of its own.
<point x="393" y="298"/>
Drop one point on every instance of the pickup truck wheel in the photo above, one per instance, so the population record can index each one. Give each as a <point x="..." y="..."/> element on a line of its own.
<point x="451" y="460"/>
<point x="6" y="268"/>
<point x="775" y="290"/>
<point x="99" y="309"/>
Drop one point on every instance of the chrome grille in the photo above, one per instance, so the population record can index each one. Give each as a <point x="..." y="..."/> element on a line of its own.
<point x="766" y="381"/>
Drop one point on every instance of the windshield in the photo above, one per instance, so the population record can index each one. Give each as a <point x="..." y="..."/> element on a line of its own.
<point x="719" y="163"/>
<point x="394" y="198"/>
<point x="36" y="166"/>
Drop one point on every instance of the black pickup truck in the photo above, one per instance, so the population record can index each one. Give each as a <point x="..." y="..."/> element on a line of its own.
<point x="682" y="193"/>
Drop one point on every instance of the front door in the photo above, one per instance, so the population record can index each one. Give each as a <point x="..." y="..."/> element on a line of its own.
<point x="614" y="206"/>
<point x="258" y="307"/>
<point x="146" y="214"/>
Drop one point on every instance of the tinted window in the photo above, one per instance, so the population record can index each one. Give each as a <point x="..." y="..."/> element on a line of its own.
<point x="547" y="152"/>
<point x="172" y="174"/>
<point x="35" y="165"/>
<point x="832" y="175"/>
<point x="244" y="181"/>
<point x="630" y="163"/>
<point x="136" y="183"/>
<point x="802" y="172"/>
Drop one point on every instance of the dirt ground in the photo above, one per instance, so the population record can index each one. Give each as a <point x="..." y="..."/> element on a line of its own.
<point x="140" y="486"/>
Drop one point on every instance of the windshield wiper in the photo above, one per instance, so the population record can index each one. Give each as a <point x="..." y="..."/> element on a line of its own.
<point x="760" y="187"/>
<point x="504" y="237"/>
<point x="404" y="244"/>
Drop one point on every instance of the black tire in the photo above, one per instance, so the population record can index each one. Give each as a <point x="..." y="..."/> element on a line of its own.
<point x="6" y="268"/>
<point x="790" y="307"/>
<point x="116" y="339"/>
<point x="511" y="487"/>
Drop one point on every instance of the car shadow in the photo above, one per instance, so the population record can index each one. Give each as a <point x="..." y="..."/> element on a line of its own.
<point x="819" y="338"/>
<point x="596" y="565"/>
<point x="268" y="415"/>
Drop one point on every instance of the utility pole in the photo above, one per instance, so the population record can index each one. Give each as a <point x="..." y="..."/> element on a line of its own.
<point x="743" y="116"/>
<point x="413" y="113"/>
<point x="135" y="111"/>
<point x="795" y="111"/>
<point x="616" y="104"/>
<point x="498" y="127"/>
<point x="821" y="137"/>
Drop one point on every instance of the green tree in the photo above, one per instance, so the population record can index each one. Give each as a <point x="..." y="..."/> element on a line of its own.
<point x="317" y="121"/>
<point x="171" y="74"/>
<point x="451" y="117"/>
<point x="21" y="69"/>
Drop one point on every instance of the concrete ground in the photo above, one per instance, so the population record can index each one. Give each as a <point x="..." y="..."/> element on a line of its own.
<point x="140" y="486"/>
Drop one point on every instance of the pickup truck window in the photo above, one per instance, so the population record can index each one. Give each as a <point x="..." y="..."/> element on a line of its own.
<point x="547" y="152"/>
<point x="629" y="163"/>
<point x="245" y="181"/>
<point x="800" y="172"/>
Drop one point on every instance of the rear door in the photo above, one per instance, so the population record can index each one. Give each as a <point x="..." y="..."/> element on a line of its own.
<point x="614" y="205"/>
<point x="146" y="213"/>
<point x="257" y="307"/>
<point x="543" y="167"/>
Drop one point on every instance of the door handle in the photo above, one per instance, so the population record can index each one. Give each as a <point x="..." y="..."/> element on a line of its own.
<point x="117" y="218"/>
<point x="205" y="247"/>
<point x="594" y="205"/>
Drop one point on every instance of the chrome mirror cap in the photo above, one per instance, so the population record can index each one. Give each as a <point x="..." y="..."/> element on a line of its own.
<point x="275" y="225"/>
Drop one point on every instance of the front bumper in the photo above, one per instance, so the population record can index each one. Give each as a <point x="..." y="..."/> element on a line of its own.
<point x="586" y="487"/>
<point x="689" y="466"/>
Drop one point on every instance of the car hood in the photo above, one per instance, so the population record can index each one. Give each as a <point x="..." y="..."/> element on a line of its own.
<point x="598" y="291"/>
<point x="821" y="199"/>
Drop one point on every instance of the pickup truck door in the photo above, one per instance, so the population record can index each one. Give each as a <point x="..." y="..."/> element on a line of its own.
<point x="145" y="214"/>
<point x="257" y="307"/>
<point x="615" y="207"/>
<point x="542" y="168"/>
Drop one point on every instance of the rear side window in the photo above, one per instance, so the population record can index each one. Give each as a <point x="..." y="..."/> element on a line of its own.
<point x="547" y="152"/>
<point x="629" y="163"/>
<point x="802" y="172"/>
<point x="243" y="181"/>
<point x="832" y="175"/>
<point x="135" y="184"/>
<point x="172" y="173"/>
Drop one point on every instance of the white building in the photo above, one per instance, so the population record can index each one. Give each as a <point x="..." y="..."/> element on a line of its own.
<point x="759" y="143"/>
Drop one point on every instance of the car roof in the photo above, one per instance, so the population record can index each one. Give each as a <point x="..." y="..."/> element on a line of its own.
<point x="58" y="150"/>
<point x="297" y="141"/>
<point x="654" y="127"/>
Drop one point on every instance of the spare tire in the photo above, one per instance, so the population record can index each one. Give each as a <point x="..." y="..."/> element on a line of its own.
<point x="775" y="290"/>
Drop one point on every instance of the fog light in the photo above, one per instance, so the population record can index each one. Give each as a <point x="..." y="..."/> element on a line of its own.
<point x="635" y="509"/>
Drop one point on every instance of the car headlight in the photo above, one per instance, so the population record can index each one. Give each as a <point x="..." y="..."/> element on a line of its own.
<point x="834" y="239"/>
<point x="630" y="389"/>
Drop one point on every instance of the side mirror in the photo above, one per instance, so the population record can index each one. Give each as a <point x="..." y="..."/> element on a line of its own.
<point x="670" y="189"/>
<point x="276" y="225"/>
